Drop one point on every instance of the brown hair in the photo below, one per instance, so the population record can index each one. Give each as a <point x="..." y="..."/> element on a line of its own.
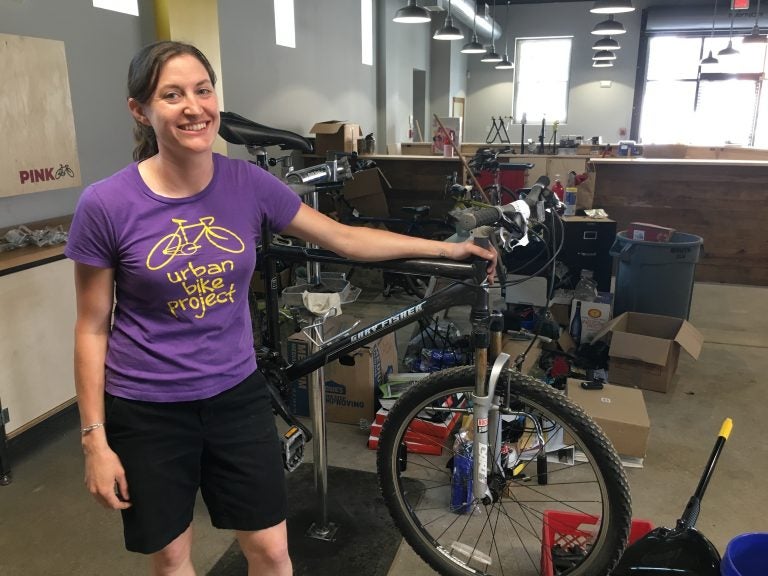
<point x="143" y="75"/>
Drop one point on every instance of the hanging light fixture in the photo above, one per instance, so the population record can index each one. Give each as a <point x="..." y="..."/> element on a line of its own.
<point x="612" y="7"/>
<point x="709" y="60"/>
<point x="492" y="56"/>
<point x="606" y="43"/>
<point x="608" y="27"/>
<point x="729" y="50"/>
<point x="473" y="46"/>
<point x="448" y="31"/>
<point x="604" y="55"/>
<point x="411" y="13"/>
<point x="506" y="63"/>
<point x="755" y="37"/>
<point x="602" y="64"/>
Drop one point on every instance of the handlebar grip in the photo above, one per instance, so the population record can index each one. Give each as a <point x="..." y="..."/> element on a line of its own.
<point x="469" y="220"/>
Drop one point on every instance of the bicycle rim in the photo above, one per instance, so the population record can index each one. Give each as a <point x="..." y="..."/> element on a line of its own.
<point x="583" y="502"/>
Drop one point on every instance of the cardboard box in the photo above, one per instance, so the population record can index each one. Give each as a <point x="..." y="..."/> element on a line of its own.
<point x="337" y="135"/>
<point x="351" y="388"/>
<point x="367" y="191"/>
<point x="594" y="316"/>
<point x="644" y="349"/>
<point x="649" y="232"/>
<point x="516" y="347"/>
<point x="283" y="279"/>
<point x="297" y="348"/>
<point x="619" y="411"/>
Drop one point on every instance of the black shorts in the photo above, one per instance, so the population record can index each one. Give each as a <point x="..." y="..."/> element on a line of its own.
<point x="227" y="446"/>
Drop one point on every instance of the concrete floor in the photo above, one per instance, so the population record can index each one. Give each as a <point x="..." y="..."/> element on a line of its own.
<point x="50" y="526"/>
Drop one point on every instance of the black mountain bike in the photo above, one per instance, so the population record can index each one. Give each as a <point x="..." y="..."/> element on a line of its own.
<point x="481" y="467"/>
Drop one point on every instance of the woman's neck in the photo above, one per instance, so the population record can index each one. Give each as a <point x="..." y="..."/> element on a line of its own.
<point x="175" y="177"/>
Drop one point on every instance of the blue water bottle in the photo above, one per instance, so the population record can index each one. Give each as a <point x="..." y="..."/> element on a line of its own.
<point x="461" y="482"/>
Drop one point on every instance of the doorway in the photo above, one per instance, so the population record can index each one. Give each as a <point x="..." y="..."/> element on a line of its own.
<point x="419" y="105"/>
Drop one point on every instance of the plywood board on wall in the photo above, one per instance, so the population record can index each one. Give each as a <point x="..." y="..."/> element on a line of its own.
<point x="38" y="128"/>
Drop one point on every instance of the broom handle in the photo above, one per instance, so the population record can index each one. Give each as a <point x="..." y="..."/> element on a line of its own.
<point x="463" y="160"/>
<point x="691" y="512"/>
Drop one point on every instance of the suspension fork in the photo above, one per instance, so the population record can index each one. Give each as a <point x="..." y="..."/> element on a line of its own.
<point x="486" y="338"/>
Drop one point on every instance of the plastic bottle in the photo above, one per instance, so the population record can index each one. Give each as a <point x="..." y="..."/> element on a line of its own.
<point x="557" y="187"/>
<point x="571" y="192"/>
<point x="586" y="288"/>
<point x="575" y="329"/>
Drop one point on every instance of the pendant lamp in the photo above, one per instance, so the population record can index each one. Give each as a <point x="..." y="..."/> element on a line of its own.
<point x="473" y="46"/>
<point x="411" y="13"/>
<point x="448" y="31"/>
<point x="608" y="27"/>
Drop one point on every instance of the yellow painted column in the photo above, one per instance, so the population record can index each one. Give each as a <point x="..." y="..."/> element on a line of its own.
<point x="196" y="22"/>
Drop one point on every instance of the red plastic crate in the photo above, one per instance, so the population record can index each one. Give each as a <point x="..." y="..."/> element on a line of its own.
<point x="569" y="528"/>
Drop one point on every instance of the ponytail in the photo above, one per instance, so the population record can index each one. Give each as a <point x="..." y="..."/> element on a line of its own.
<point x="146" y="142"/>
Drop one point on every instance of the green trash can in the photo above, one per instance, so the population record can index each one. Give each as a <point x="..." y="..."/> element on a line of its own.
<point x="655" y="277"/>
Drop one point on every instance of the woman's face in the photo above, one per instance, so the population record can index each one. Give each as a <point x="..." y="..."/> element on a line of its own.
<point x="184" y="109"/>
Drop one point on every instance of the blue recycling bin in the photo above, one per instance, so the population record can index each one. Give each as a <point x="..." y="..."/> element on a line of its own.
<point x="655" y="277"/>
<point x="746" y="555"/>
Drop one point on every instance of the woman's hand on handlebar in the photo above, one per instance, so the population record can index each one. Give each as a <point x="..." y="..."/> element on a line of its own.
<point x="463" y="250"/>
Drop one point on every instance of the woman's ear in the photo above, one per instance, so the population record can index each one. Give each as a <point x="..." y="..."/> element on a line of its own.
<point x="137" y="111"/>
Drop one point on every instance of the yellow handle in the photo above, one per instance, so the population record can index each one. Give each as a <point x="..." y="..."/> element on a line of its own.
<point x="725" y="429"/>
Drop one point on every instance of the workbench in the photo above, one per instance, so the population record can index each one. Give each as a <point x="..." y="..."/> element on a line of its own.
<point x="37" y="295"/>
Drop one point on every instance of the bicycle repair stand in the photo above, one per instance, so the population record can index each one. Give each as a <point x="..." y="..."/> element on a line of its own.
<point x="341" y="292"/>
<point x="496" y="130"/>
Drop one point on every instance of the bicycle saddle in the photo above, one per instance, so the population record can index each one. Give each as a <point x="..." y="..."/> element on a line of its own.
<point x="236" y="129"/>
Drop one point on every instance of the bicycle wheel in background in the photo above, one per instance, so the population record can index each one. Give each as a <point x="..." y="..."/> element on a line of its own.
<point x="534" y="502"/>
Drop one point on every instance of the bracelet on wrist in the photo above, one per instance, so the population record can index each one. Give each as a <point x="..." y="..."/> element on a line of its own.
<point x="90" y="428"/>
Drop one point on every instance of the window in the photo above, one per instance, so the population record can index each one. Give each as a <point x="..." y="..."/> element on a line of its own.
<point x="285" y="28"/>
<point x="541" y="78"/>
<point x="125" y="6"/>
<point x="685" y="102"/>
<point x="366" y="30"/>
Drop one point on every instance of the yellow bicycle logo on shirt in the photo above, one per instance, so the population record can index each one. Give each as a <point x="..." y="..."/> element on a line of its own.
<point x="182" y="243"/>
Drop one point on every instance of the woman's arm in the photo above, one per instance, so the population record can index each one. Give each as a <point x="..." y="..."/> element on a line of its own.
<point x="103" y="472"/>
<point x="363" y="243"/>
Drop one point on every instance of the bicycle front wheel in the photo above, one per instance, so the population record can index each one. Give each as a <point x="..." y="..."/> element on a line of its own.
<point x="561" y="495"/>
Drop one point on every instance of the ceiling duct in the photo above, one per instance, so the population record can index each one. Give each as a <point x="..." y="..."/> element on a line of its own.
<point x="464" y="12"/>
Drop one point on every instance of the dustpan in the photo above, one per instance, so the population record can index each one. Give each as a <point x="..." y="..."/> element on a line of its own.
<point x="682" y="550"/>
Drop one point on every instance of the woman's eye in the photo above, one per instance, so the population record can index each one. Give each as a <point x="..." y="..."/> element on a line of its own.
<point x="205" y="91"/>
<point x="170" y="96"/>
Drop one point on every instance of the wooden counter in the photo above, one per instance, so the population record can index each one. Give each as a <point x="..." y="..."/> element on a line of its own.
<point x="723" y="201"/>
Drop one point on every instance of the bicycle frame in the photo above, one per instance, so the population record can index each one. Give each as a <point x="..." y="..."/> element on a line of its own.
<point x="470" y="289"/>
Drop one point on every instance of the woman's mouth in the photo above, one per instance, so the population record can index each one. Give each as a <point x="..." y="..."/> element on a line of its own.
<point x="197" y="127"/>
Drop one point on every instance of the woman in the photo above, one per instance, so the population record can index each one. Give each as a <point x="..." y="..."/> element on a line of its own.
<point x="169" y="396"/>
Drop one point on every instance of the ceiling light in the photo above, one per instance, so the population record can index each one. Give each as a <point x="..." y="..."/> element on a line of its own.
<point x="473" y="46"/>
<point x="492" y="56"/>
<point x="505" y="64"/>
<point x="711" y="59"/>
<point x="448" y="31"/>
<point x="754" y="37"/>
<point x="606" y="43"/>
<point x="411" y="14"/>
<point x="729" y="50"/>
<point x="604" y="55"/>
<point x="612" y="6"/>
<point x="608" y="27"/>
<point x="602" y="64"/>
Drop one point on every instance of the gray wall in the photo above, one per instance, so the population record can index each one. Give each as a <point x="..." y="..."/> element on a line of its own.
<point x="99" y="44"/>
<point x="323" y="78"/>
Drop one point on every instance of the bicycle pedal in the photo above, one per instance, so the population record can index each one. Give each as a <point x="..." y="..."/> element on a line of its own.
<point x="292" y="448"/>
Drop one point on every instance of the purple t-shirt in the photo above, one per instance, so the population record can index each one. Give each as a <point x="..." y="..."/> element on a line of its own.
<point x="182" y="328"/>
